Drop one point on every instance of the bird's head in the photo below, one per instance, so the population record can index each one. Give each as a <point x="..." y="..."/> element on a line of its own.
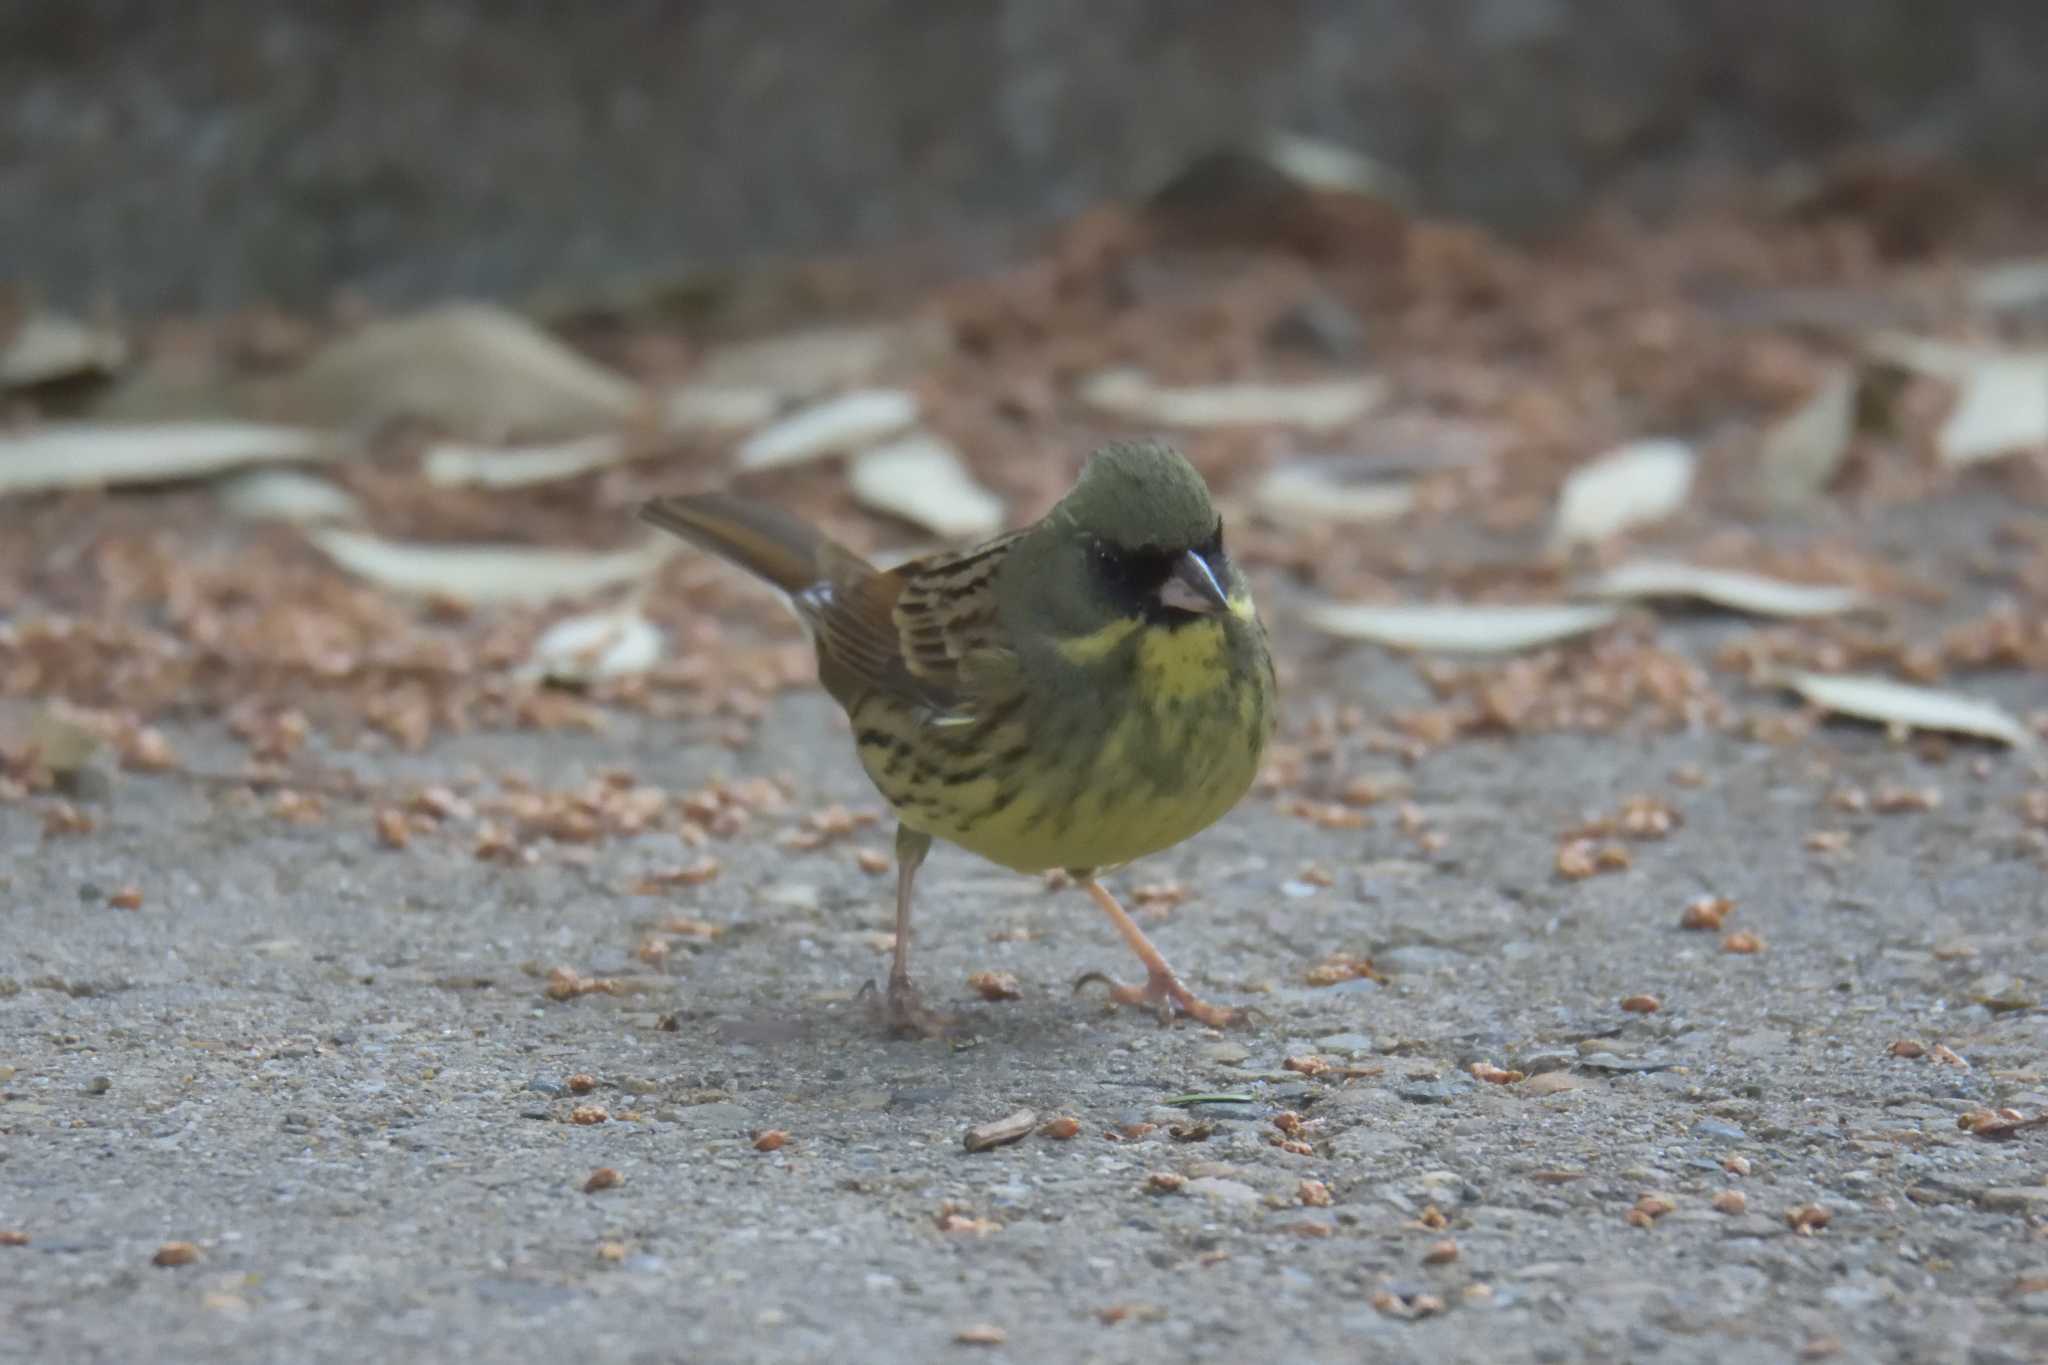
<point x="1137" y="537"/>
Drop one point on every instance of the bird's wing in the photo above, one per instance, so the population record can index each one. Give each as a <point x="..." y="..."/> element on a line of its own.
<point x="849" y="605"/>
<point x="945" y="617"/>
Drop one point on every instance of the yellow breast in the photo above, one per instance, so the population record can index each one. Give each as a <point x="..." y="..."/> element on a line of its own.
<point x="1167" y="743"/>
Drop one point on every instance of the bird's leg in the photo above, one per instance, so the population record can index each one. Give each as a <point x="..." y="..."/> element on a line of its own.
<point x="905" y="1012"/>
<point x="1162" y="988"/>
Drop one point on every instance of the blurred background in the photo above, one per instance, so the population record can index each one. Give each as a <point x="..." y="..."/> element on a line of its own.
<point x="215" y="155"/>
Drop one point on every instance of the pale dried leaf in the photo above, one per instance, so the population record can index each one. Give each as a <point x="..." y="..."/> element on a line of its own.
<point x="1804" y="449"/>
<point x="820" y="359"/>
<point x="1459" y="629"/>
<point x="709" y="407"/>
<point x="2010" y="287"/>
<point x="48" y="347"/>
<point x="605" y="644"/>
<point x="287" y="495"/>
<point x="476" y="370"/>
<point x="849" y="422"/>
<point x="1317" y="491"/>
<point x="1324" y="165"/>
<point x="453" y="464"/>
<point x="1915" y="708"/>
<point x="94" y="455"/>
<point x="1643" y="482"/>
<point x="489" y="573"/>
<point x="1738" y="591"/>
<point x="2002" y="409"/>
<point x="1132" y="395"/>
<point x="923" y="480"/>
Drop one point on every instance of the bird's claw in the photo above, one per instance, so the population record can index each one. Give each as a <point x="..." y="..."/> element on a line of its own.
<point x="901" y="1011"/>
<point x="1166" y="996"/>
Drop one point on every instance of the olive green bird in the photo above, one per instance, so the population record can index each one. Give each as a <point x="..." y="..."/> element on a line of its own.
<point x="1073" y="695"/>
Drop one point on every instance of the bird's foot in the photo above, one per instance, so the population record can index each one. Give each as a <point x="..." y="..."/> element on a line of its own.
<point x="901" y="1011"/>
<point x="1166" y="996"/>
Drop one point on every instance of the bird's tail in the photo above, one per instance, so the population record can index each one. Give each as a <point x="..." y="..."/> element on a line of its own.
<point x="766" y="542"/>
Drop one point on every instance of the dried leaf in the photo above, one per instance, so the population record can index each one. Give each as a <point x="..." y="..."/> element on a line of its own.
<point x="1643" y="482"/>
<point x="1460" y="629"/>
<point x="2001" y="410"/>
<point x="49" y="347"/>
<point x="455" y="464"/>
<point x="287" y="495"/>
<point x="1917" y="708"/>
<point x="1804" y="449"/>
<point x="602" y="644"/>
<point x="474" y="369"/>
<point x="923" y="480"/>
<point x="848" y="422"/>
<point x="1737" y="591"/>
<point x="489" y="573"/>
<point x="1320" y="164"/>
<point x="1130" y="394"/>
<point x="1316" y="491"/>
<point x="709" y="407"/>
<point x="95" y="455"/>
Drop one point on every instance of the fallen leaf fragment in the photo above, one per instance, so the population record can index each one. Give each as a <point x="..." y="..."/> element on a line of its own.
<point x="1131" y="394"/>
<point x="1441" y="1253"/>
<point x="1807" y="1219"/>
<point x="1705" y="912"/>
<point x="589" y="1115"/>
<point x="1730" y="588"/>
<point x="999" y="1132"/>
<point x="46" y="348"/>
<point x="1640" y="1004"/>
<point x="127" y="898"/>
<point x="601" y="644"/>
<point x="770" y="1140"/>
<point x="981" y="1334"/>
<point x="1494" y="1075"/>
<point x="175" y="1253"/>
<point x="1948" y="1056"/>
<point x="13" y="1237"/>
<point x="849" y="422"/>
<point x="482" y="574"/>
<point x="1742" y="941"/>
<point x="1165" y="1182"/>
<point x="288" y="495"/>
<point x="1907" y="707"/>
<point x="98" y="455"/>
<point x="994" y="985"/>
<point x="603" y="1178"/>
<point x="457" y="464"/>
<point x="1457" y="629"/>
<point x="1311" y="491"/>
<point x="474" y="369"/>
<point x="1637" y="484"/>
<point x="1803" y="450"/>
<point x="924" y="481"/>
<point x="1061" y="1128"/>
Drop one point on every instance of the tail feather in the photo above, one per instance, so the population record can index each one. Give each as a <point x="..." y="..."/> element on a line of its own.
<point x="766" y="542"/>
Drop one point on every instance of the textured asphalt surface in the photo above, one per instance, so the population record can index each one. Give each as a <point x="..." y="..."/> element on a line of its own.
<point x="332" y="1068"/>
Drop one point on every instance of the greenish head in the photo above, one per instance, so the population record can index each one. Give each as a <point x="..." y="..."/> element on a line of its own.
<point x="1137" y="537"/>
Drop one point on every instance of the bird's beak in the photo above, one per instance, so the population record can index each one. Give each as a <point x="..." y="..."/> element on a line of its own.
<point x="1195" y="586"/>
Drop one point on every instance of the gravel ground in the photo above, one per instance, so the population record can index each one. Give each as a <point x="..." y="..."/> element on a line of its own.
<point x="333" y="1070"/>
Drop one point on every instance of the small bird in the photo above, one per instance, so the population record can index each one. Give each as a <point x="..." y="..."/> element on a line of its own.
<point x="1072" y="695"/>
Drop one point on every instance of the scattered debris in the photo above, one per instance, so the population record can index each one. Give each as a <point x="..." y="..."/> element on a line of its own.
<point x="1633" y="486"/>
<point x="605" y="644"/>
<point x="1738" y="591"/>
<point x="849" y="422"/>
<point x="603" y="1178"/>
<point x="1060" y="1129"/>
<point x="1315" y="490"/>
<point x="288" y="495"/>
<point x="481" y="574"/>
<point x="1460" y="629"/>
<point x="924" y="481"/>
<point x="1803" y="451"/>
<point x="1904" y="707"/>
<point x="1000" y="1132"/>
<point x="1131" y="395"/>
<point x="51" y="348"/>
<point x="456" y="464"/>
<point x="994" y="985"/>
<point x="474" y="370"/>
<point x="101" y="455"/>
<point x="175" y="1254"/>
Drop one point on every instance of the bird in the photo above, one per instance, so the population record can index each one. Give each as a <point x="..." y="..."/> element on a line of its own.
<point x="1069" y="696"/>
